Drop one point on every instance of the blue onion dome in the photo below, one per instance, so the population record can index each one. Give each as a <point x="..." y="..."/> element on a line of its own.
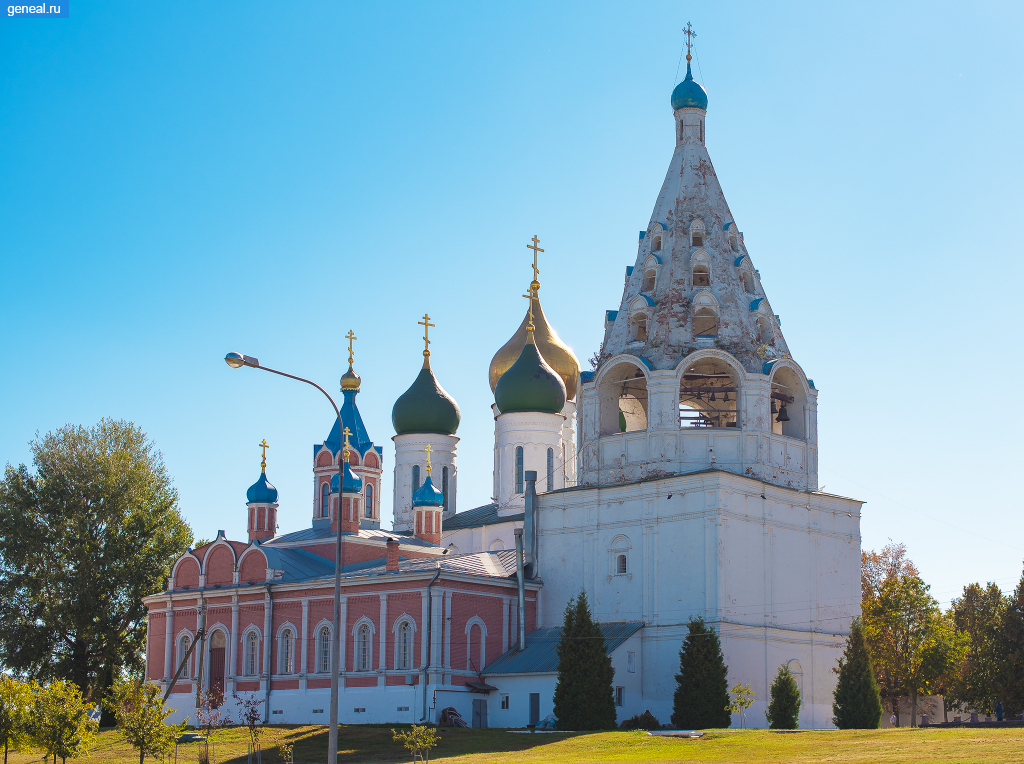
<point x="530" y="384"/>
<point x="353" y="483"/>
<point x="261" y="492"/>
<point x="427" y="495"/>
<point x="425" y="407"/>
<point x="688" y="94"/>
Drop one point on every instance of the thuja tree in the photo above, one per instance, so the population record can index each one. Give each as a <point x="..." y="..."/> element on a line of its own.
<point x="702" y="695"/>
<point x="584" y="697"/>
<point x="857" y="703"/>
<point x="784" y="706"/>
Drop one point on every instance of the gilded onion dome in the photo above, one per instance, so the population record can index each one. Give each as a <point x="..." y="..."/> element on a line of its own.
<point x="350" y="380"/>
<point x="530" y="384"/>
<point x="556" y="353"/>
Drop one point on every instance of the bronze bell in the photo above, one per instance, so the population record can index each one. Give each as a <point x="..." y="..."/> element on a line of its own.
<point x="775" y="409"/>
<point x="783" y="414"/>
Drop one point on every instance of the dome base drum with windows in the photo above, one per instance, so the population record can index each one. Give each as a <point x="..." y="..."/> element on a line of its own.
<point x="676" y="477"/>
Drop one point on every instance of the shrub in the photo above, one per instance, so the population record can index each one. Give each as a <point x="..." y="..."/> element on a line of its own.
<point x="644" y="721"/>
<point x="784" y="708"/>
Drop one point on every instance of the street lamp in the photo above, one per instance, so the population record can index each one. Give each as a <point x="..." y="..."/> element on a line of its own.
<point x="237" y="361"/>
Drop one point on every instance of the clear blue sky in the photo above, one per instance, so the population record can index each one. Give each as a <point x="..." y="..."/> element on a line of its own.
<point x="182" y="179"/>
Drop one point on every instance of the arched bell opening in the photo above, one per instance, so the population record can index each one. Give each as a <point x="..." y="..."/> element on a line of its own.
<point x="623" y="397"/>
<point x="788" y="404"/>
<point x="709" y="395"/>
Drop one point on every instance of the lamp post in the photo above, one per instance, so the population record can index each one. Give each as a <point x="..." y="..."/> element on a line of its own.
<point x="237" y="361"/>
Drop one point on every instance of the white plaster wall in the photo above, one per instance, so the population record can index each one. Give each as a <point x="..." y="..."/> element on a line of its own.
<point x="775" y="569"/>
<point x="409" y="451"/>
<point x="536" y="433"/>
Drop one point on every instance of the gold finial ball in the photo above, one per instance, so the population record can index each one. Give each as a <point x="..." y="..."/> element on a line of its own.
<point x="350" y="380"/>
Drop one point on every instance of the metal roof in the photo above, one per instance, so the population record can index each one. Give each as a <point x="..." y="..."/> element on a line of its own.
<point x="476" y="518"/>
<point x="325" y="532"/>
<point x="541" y="653"/>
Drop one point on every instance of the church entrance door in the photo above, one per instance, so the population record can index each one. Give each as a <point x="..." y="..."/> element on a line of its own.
<point x="218" y="647"/>
<point x="479" y="712"/>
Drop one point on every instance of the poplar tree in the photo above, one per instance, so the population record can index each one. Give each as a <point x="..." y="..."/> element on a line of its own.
<point x="784" y="706"/>
<point x="857" y="703"/>
<point x="84" y="536"/>
<point x="702" y="696"/>
<point x="584" y="698"/>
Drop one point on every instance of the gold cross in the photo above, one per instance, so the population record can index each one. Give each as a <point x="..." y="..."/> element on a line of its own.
<point x="535" y="249"/>
<point x="429" y="451"/>
<point x="345" y="451"/>
<point x="350" y="336"/>
<point x="425" y="323"/>
<point x="264" y="446"/>
<point x="690" y="34"/>
<point x="531" y="297"/>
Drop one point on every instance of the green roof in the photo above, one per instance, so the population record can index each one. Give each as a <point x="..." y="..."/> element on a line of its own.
<point x="425" y="407"/>
<point x="530" y="384"/>
<point x="541" y="653"/>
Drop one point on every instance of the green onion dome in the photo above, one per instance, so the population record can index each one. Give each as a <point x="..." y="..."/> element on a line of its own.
<point x="427" y="495"/>
<point x="530" y="384"/>
<point x="425" y="407"/>
<point x="688" y="94"/>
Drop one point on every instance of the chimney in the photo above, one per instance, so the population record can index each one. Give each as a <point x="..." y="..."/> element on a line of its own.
<point x="392" y="559"/>
<point x="530" y="525"/>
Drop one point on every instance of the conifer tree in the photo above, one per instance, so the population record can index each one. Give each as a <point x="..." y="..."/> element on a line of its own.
<point x="702" y="696"/>
<point x="784" y="707"/>
<point x="857" y="703"/>
<point x="584" y="697"/>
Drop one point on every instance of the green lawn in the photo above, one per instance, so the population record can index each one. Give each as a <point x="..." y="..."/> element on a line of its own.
<point x="374" y="744"/>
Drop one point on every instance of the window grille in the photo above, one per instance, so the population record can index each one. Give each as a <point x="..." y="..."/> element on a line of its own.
<point x="363" y="648"/>
<point x="519" y="469"/>
<point x="551" y="469"/>
<point x="287" y="653"/>
<point x="251" y="653"/>
<point x="405" y="645"/>
<point x="324" y="651"/>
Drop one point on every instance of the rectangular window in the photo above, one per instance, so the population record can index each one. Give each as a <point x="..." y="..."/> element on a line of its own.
<point x="504" y="702"/>
<point x="403" y="708"/>
<point x="551" y="469"/>
<point x="519" y="469"/>
<point x="359" y="710"/>
<point x="698" y="239"/>
<point x="631" y="662"/>
<point x="620" y="694"/>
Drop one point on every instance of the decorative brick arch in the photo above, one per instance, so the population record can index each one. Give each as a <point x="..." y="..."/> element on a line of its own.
<point x="186" y="572"/>
<point x="219" y="564"/>
<point x="252" y="567"/>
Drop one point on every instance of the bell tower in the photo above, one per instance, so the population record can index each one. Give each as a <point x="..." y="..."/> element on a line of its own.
<point x="261" y="500"/>
<point x="694" y="371"/>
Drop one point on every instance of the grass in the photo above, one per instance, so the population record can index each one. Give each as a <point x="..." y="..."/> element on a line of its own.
<point x="372" y="743"/>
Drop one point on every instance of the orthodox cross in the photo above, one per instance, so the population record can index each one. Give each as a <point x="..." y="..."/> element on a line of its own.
<point x="536" y="250"/>
<point x="690" y="34"/>
<point x="425" y="323"/>
<point x="264" y="446"/>
<point x="429" y="451"/>
<point x="531" y="296"/>
<point x="345" y="451"/>
<point x="350" y="336"/>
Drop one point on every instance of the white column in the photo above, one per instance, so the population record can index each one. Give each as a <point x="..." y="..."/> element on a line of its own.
<point x="169" y="641"/>
<point x="267" y="643"/>
<point x="448" y="630"/>
<point x="423" y="627"/>
<point x="342" y="641"/>
<point x="437" y="606"/>
<point x="233" y="641"/>
<point x="383" y="642"/>
<point x="305" y="645"/>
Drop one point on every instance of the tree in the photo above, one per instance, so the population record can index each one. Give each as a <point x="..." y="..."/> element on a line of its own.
<point x="976" y="615"/>
<point x="60" y="721"/>
<point x="857" y="703"/>
<point x="250" y="713"/>
<point x="702" y="696"/>
<point x="142" y="718"/>
<point x="584" y="699"/>
<point x="16" y="699"/>
<point x="784" y="707"/>
<point x="419" y="741"/>
<point x="742" y="698"/>
<point x="83" y="538"/>
<point x="912" y="642"/>
<point x="1009" y="649"/>
<point x="878" y="567"/>
<point x="210" y="718"/>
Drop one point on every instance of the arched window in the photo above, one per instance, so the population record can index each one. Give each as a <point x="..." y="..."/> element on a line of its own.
<point x="650" y="277"/>
<point x="286" y="657"/>
<point x="519" y="469"/>
<point x="748" y="282"/>
<point x="788" y="404"/>
<point x="701" y="275"/>
<point x="620" y="565"/>
<point x="369" y="500"/>
<point x="323" y="650"/>
<point x="764" y="330"/>
<point x="623" y="397"/>
<point x="705" y="323"/>
<point x="619" y="550"/>
<point x="325" y="500"/>
<point x="415" y="478"/>
<point x="709" y="395"/>
<point x="184" y="643"/>
<point x="364" y="645"/>
<point x="444" y="487"/>
<point x="403" y="656"/>
<point x="638" y="323"/>
<point x="697" y="233"/>
<point x="656" y="244"/>
<point x="551" y="469"/>
<point x="251" y="655"/>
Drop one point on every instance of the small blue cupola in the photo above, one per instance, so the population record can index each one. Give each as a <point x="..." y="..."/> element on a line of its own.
<point x="353" y="483"/>
<point x="427" y="495"/>
<point x="262" y="492"/>
<point x="688" y="94"/>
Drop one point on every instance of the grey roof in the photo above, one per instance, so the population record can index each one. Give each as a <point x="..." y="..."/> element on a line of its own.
<point x="316" y="534"/>
<point x="490" y="564"/>
<point x="476" y="518"/>
<point x="541" y="656"/>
